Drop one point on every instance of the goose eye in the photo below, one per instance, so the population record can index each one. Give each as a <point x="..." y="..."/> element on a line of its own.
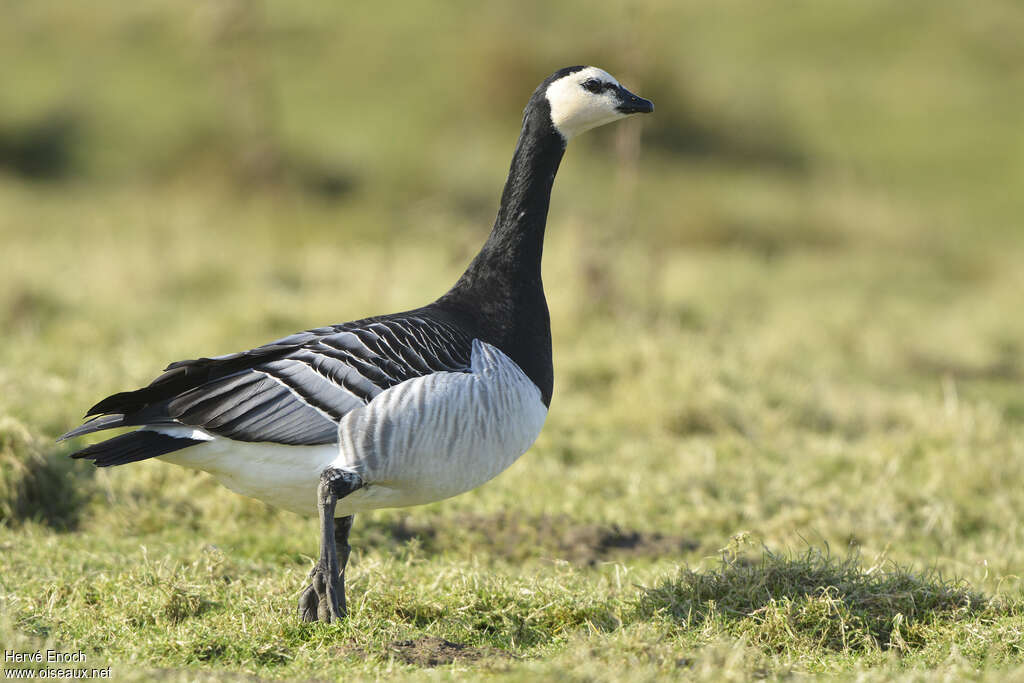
<point x="593" y="85"/>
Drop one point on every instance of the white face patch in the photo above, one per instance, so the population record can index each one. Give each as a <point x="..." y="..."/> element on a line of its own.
<point x="575" y="109"/>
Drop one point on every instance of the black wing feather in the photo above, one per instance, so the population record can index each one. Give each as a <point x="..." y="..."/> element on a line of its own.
<point x="290" y="391"/>
<point x="131" y="447"/>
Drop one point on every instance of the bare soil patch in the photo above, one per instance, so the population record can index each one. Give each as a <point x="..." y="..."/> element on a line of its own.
<point x="518" y="538"/>
<point x="432" y="651"/>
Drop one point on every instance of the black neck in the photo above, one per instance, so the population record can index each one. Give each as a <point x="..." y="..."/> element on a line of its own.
<point x="501" y="289"/>
<point x="513" y="250"/>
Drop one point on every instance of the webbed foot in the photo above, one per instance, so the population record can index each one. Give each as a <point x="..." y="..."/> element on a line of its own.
<point x="309" y="603"/>
<point x="324" y="598"/>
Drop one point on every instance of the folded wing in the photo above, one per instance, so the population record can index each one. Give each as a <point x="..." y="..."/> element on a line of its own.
<point x="292" y="391"/>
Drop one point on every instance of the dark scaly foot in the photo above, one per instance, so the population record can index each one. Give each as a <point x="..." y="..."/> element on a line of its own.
<point x="308" y="604"/>
<point x="324" y="598"/>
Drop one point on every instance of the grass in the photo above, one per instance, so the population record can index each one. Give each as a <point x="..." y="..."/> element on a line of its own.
<point x="787" y="434"/>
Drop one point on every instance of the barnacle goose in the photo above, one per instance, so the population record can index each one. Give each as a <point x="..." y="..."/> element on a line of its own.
<point x="389" y="411"/>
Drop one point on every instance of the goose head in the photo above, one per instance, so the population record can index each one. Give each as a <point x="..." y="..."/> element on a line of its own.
<point x="585" y="97"/>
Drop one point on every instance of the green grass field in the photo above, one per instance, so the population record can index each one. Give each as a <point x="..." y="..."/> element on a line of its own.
<point x="787" y="435"/>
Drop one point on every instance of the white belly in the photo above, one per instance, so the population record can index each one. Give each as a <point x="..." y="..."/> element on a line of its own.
<point x="282" y="476"/>
<point x="426" y="439"/>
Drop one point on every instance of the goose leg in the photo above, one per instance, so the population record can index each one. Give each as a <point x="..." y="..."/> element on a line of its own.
<point x="309" y="601"/>
<point x="324" y="598"/>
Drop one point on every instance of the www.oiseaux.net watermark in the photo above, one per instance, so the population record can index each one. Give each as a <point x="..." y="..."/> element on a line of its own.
<point x="46" y="664"/>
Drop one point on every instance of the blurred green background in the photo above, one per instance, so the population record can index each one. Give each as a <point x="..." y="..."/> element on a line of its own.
<point x="789" y="302"/>
<point x="154" y="151"/>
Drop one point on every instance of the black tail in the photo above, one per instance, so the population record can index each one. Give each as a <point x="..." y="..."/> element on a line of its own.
<point x="132" y="447"/>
